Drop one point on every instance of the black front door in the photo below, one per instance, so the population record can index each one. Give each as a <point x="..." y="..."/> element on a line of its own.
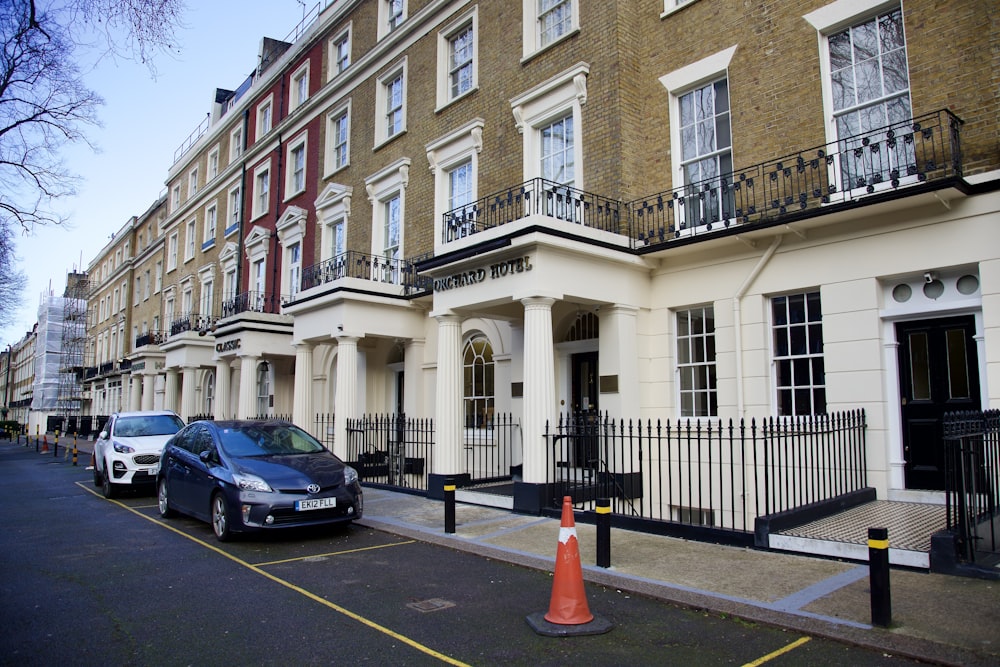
<point x="938" y="373"/>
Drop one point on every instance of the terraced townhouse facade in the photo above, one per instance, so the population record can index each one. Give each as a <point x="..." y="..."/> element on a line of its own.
<point x="642" y="209"/>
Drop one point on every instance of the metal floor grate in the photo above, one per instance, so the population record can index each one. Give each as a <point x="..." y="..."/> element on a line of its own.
<point x="910" y="524"/>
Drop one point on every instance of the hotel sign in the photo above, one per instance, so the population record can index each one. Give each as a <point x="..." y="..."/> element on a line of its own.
<point x="482" y="274"/>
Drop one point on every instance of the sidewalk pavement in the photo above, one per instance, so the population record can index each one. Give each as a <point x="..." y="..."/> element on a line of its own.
<point x="935" y="618"/>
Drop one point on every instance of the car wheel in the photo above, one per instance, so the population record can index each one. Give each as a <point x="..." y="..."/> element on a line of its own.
<point x="161" y="499"/>
<point x="220" y="518"/>
<point x="98" y="481"/>
<point x="106" y="486"/>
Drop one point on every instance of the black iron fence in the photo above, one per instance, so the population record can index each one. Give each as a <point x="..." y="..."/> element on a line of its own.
<point x="323" y="429"/>
<point x="391" y="449"/>
<point x="492" y="450"/>
<point x="712" y="473"/>
<point x="972" y="481"/>
<point x="252" y="302"/>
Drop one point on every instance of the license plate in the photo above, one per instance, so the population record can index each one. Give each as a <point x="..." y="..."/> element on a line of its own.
<point x="314" y="504"/>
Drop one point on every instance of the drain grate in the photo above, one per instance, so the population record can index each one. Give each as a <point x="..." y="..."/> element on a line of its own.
<point x="427" y="606"/>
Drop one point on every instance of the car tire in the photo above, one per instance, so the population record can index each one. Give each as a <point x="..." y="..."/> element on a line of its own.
<point x="98" y="480"/>
<point x="162" y="502"/>
<point x="220" y="518"/>
<point x="107" y="487"/>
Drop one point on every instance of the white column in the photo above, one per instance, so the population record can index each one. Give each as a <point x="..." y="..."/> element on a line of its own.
<point x="448" y="397"/>
<point x="345" y="403"/>
<point x="170" y="390"/>
<point x="413" y="378"/>
<point x="134" y="392"/>
<point x="302" y="405"/>
<point x="148" y="390"/>
<point x="188" y="392"/>
<point x="223" y="387"/>
<point x="539" y="384"/>
<point x="248" y="389"/>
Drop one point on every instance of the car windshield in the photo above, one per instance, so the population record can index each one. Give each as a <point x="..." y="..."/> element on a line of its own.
<point x="137" y="427"/>
<point x="268" y="439"/>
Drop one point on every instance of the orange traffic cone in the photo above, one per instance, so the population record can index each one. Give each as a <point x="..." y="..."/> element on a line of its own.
<point x="45" y="443"/>
<point x="568" y="613"/>
<point x="568" y="605"/>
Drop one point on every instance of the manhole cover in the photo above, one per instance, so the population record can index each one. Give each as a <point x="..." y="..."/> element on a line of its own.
<point x="434" y="604"/>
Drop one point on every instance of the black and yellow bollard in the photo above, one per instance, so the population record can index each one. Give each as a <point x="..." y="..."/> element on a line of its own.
<point x="449" y="505"/>
<point x="75" y="450"/>
<point x="878" y="574"/>
<point x="603" y="510"/>
<point x="55" y="446"/>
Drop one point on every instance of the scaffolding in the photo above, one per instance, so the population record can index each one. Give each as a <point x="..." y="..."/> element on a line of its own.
<point x="73" y="343"/>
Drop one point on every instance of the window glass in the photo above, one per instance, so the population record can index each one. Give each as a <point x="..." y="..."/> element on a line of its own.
<point x="800" y="376"/>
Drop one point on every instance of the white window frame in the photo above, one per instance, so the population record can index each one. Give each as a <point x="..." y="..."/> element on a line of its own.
<point x="261" y="199"/>
<point x="454" y="149"/>
<point x="333" y="139"/>
<point x="291" y="187"/>
<point x="265" y="116"/>
<point x="531" y="40"/>
<point x="291" y="230"/>
<point x="213" y="164"/>
<point x="172" y="250"/>
<point x="193" y="183"/>
<point x="147" y="286"/>
<point x="382" y="111"/>
<point x="299" y="79"/>
<point x="190" y="231"/>
<point x="158" y="285"/>
<point x="382" y="188"/>
<point x="468" y="21"/>
<point x="137" y="293"/>
<point x="333" y="53"/>
<point x="549" y="101"/>
<point x="235" y="143"/>
<point x="333" y="208"/>
<point x="389" y="20"/>
<point x="206" y="292"/>
<point x="833" y="19"/>
<point x="211" y="225"/>
<point x="809" y="355"/>
<point x="175" y="198"/>
<point x="235" y="208"/>
<point x="671" y="6"/>
<point x="693" y="350"/>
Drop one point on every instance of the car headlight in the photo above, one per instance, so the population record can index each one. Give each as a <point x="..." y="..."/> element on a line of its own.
<point x="123" y="449"/>
<point x="248" y="482"/>
<point x="350" y="475"/>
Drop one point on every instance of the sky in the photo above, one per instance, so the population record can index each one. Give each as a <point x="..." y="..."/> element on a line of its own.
<point x="144" y="121"/>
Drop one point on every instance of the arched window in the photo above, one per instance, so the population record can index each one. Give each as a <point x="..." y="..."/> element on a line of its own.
<point x="478" y="380"/>
<point x="209" y="393"/>
<point x="263" y="388"/>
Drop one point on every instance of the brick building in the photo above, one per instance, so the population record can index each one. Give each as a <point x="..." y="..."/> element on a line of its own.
<point x="496" y="213"/>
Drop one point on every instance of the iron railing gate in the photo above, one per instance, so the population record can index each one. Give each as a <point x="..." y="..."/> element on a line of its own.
<point x="972" y="481"/>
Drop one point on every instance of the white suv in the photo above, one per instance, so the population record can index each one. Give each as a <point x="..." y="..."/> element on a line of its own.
<point x="127" y="452"/>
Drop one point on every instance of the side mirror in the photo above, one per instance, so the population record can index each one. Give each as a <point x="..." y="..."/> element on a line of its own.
<point x="103" y="435"/>
<point x="207" y="456"/>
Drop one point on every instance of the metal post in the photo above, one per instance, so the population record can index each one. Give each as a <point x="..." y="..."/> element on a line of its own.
<point x="55" y="446"/>
<point x="37" y="428"/>
<point x="603" y="510"/>
<point x="878" y="564"/>
<point x="75" y="450"/>
<point x="449" y="505"/>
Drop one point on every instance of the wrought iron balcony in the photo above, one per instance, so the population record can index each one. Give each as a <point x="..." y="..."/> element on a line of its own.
<point x="352" y="264"/>
<point x="535" y="197"/>
<point x="191" y="322"/>
<point x="883" y="161"/>
<point x="920" y="150"/>
<point x="150" y="338"/>
<point x="106" y="368"/>
<point x="251" y="302"/>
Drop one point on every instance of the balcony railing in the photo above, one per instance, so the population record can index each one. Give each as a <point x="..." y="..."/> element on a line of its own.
<point x="920" y="150"/>
<point x="191" y="322"/>
<point x="535" y="197"/>
<point x="252" y="302"/>
<point x="150" y="338"/>
<point x="363" y="266"/>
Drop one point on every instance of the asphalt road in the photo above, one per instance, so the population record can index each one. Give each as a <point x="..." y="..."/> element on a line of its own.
<point x="88" y="581"/>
